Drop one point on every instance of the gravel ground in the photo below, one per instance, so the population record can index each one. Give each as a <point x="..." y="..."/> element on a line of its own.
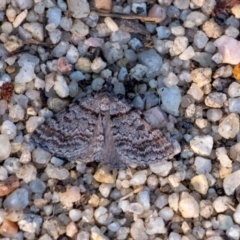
<point x="182" y="73"/>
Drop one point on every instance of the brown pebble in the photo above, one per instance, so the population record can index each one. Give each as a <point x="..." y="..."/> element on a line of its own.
<point x="71" y="229"/>
<point x="8" y="228"/>
<point x="158" y="12"/>
<point x="9" y="185"/>
<point x="103" y="4"/>
<point x="64" y="66"/>
<point x="7" y="90"/>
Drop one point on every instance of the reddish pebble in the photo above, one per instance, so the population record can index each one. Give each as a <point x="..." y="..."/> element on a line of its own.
<point x="64" y="66"/>
<point x="9" y="185"/>
<point x="8" y="228"/>
<point x="157" y="12"/>
<point x="71" y="229"/>
<point x="103" y="4"/>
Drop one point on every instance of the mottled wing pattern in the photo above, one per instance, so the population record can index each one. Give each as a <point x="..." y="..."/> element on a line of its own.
<point x="73" y="134"/>
<point x="134" y="141"/>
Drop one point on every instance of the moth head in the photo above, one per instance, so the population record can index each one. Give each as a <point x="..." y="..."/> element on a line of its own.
<point x="105" y="103"/>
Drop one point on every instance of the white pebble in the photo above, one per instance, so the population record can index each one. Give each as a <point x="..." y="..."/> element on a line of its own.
<point x="188" y="206"/>
<point x="5" y="147"/>
<point x="9" y="128"/>
<point x="202" y="145"/>
<point x="61" y="87"/>
<point x="75" y="215"/>
<point x="139" y="178"/>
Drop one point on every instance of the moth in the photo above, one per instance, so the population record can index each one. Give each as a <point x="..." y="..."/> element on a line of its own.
<point x="105" y="129"/>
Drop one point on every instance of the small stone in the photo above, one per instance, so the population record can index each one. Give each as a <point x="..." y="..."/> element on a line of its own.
<point x="5" y="147"/>
<point x="41" y="156"/>
<point x="56" y="172"/>
<point x="84" y="65"/>
<point x="13" y="43"/>
<point x="234" y="90"/>
<point x="63" y="65"/>
<point x="71" y="195"/>
<point x="98" y="65"/>
<point x="200" y="39"/>
<point x="139" y="178"/>
<point x="96" y="234"/>
<point x="162" y="168"/>
<point x="163" y="32"/>
<point x="171" y="99"/>
<point x="12" y="165"/>
<point x="181" y="4"/>
<point x="27" y="172"/>
<point x="31" y="223"/>
<point x="33" y="122"/>
<point x="3" y="174"/>
<point x="78" y="8"/>
<point x="234" y="105"/>
<point x="17" y="199"/>
<point x="220" y="204"/>
<point x="155" y="226"/>
<point x="8" y="185"/>
<point x="20" y="18"/>
<point x="138" y="71"/>
<point x="75" y="215"/>
<point x="188" y="206"/>
<point x="229" y="126"/>
<point x="229" y="49"/>
<point x="8" y="229"/>
<point x="225" y="221"/>
<point x="158" y="12"/>
<point x="111" y="24"/>
<point x="36" y="29"/>
<point x="138" y="230"/>
<point x="103" y="175"/>
<point x="222" y="156"/>
<point x="202" y="165"/>
<point x="201" y="76"/>
<point x="37" y="186"/>
<point x="71" y="229"/>
<point x="105" y="189"/>
<point x="194" y="19"/>
<point x="214" y="115"/>
<point x="231" y="182"/>
<point x="233" y="232"/>
<point x="235" y="152"/>
<point x="180" y="44"/>
<point x="112" y="52"/>
<point x="83" y="235"/>
<point x="187" y="54"/>
<point x="152" y="60"/>
<point x="97" y="84"/>
<point x="200" y="183"/>
<point x="8" y="128"/>
<point x="215" y="99"/>
<point x="202" y="145"/>
<point x="103" y="4"/>
<point x="196" y="92"/>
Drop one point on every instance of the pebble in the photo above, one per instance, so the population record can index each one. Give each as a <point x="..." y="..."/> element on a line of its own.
<point x="37" y="186"/>
<point x="220" y="204"/>
<point x="71" y="229"/>
<point x="103" y="175"/>
<point x="155" y="226"/>
<point x="138" y="230"/>
<point x="8" y="229"/>
<point x="234" y="104"/>
<point x="78" y="9"/>
<point x="33" y="122"/>
<point x="202" y="145"/>
<point x="228" y="48"/>
<point x="234" y="152"/>
<point x="9" y="129"/>
<point x="56" y="172"/>
<point x="188" y="206"/>
<point x="36" y="29"/>
<point x="222" y="156"/>
<point x="215" y="99"/>
<point x="5" y="147"/>
<point x="139" y="178"/>
<point x="231" y="182"/>
<point x="31" y="223"/>
<point x="71" y="195"/>
<point x="61" y="87"/>
<point x="180" y="44"/>
<point x="98" y="65"/>
<point x="27" y="172"/>
<point x="8" y="185"/>
<point x="3" y="174"/>
<point x="41" y="156"/>
<point x="229" y="126"/>
<point x="152" y="60"/>
<point x="171" y="99"/>
<point x="96" y="234"/>
<point x="214" y="115"/>
<point x="194" y="19"/>
<point x="162" y="168"/>
<point x="201" y="76"/>
<point x="158" y="12"/>
<point x="202" y="165"/>
<point x="75" y="215"/>
<point x="200" y="183"/>
<point x="12" y="165"/>
<point x="17" y="199"/>
<point x="234" y="90"/>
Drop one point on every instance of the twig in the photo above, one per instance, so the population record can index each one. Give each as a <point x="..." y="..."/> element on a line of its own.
<point x="129" y="17"/>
